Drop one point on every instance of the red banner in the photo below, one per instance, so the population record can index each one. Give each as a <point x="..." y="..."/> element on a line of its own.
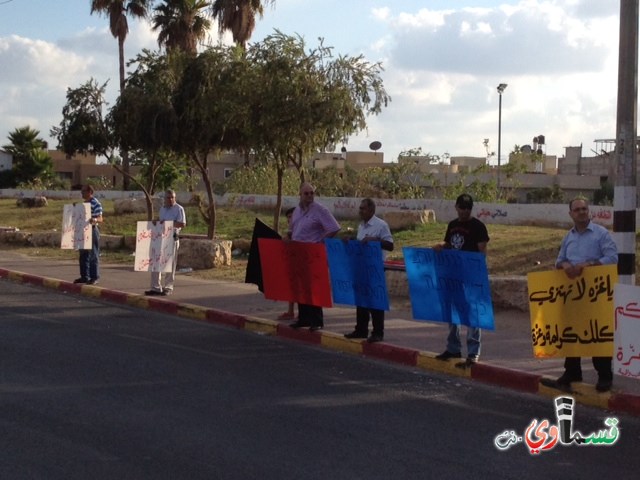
<point x="295" y="272"/>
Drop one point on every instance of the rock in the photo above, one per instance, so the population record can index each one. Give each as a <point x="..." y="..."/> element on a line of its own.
<point x="201" y="254"/>
<point x="35" y="202"/>
<point x="409" y="219"/>
<point x="241" y="244"/>
<point x="46" y="239"/>
<point x="135" y="205"/>
<point x="15" y="238"/>
<point x="111" y="242"/>
<point x="509" y="292"/>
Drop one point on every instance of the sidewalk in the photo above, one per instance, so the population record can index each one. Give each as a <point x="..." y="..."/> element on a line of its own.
<point x="506" y="357"/>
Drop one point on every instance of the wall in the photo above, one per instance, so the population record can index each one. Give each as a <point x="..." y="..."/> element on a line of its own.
<point x="347" y="208"/>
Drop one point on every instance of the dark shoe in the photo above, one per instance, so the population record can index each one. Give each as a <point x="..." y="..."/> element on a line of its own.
<point x="93" y="281"/>
<point x="315" y="328"/>
<point x="298" y="324"/>
<point x="566" y="378"/>
<point x="375" y="338"/>
<point x="152" y="292"/>
<point x="446" y="355"/>
<point x="80" y="280"/>
<point x="603" y="385"/>
<point x="355" y="334"/>
<point x="167" y="291"/>
<point x="467" y="363"/>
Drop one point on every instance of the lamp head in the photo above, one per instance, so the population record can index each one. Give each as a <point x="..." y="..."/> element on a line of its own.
<point x="501" y="88"/>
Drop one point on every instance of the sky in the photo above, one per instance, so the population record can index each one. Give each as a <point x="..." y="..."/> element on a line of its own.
<point x="442" y="60"/>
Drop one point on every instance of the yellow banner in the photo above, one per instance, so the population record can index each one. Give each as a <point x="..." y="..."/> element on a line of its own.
<point x="572" y="317"/>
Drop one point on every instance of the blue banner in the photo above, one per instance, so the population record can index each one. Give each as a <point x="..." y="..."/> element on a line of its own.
<point x="357" y="273"/>
<point x="449" y="286"/>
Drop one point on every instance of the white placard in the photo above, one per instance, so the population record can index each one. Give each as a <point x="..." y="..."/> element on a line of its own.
<point x="155" y="247"/>
<point x="77" y="232"/>
<point x="626" y="357"/>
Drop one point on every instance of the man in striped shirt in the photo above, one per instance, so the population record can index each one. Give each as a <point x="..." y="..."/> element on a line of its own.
<point x="90" y="259"/>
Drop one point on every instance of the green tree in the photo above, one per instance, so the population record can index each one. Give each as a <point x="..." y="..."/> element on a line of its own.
<point x="238" y="17"/>
<point x="303" y="100"/>
<point x="116" y="11"/>
<point x="144" y="121"/>
<point x="181" y="24"/>
<point x="212" y="106"/>
<point x="30" y="158"/>
<point x="83" y="129"/>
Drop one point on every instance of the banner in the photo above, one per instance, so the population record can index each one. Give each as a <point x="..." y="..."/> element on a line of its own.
<point x="626" y="361"/>
<point x="77" y="232"/>
<point x="357" y="273"/>
<point x="295" y="272"/>
<point x="572" y="317"/>
<point x="449" y="286"/>
<point x="155" y="247"/>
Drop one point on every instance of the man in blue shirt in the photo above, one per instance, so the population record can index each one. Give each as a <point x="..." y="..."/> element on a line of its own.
<point x="586" y="244"/>
<point x="90" y="259"/>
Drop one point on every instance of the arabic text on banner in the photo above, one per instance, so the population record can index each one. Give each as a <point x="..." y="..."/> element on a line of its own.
<point x="76" y="229"/>
<point x="572" y="317"/>
<point x="295" y="272"/>
<point x="357" y="273"/>
<point x="626" y="359"/>
<point x="155" y="247"/>
<point x="449" y="286"/>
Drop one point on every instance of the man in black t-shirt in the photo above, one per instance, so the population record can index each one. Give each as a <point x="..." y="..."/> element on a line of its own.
<point x="468" y="234"/>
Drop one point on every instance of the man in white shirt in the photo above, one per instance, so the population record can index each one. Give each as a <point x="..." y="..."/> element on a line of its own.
<point x="171" y="211"/>
<point x="371" y="229"/>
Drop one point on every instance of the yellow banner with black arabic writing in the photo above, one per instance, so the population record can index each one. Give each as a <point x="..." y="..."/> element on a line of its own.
<point x="572" y="317"/>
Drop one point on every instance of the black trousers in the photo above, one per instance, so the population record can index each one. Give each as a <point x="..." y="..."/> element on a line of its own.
<point x="601" y="364"/>
<point x="362" y="320"/>
<point x="311" y="315"/>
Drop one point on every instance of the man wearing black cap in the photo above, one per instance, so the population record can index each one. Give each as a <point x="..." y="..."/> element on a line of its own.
<point x="468" y="234"/>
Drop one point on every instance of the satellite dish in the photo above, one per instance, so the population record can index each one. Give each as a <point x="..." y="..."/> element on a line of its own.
<point x="375" y="146"/>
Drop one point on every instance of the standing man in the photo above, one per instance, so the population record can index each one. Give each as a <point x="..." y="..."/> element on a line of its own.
<point x="585" y="245"/>
<point x="90" y="259"/>
<point x="468" y="234"/>
<point x="170" y="211"/>
<point x="311" y="222"/>
<point x="371" y="229"/>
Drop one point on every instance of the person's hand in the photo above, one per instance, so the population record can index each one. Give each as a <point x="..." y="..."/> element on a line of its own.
<point x="572" y="271"/>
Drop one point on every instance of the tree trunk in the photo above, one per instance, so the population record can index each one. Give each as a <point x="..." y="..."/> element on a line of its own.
<point x="276" y="213"/>
<point x="125" y="155"/>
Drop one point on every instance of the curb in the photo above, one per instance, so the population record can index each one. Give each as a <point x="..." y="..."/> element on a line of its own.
<point x="481" y="372"/>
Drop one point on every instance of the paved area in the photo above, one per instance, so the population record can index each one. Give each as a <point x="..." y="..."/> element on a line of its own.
<point x="506" y="356"/>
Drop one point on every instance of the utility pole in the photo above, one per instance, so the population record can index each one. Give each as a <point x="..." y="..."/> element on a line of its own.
<point x="625" y="191"/>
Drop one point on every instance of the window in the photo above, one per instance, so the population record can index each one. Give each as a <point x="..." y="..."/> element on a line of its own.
<point x="228" y="172"/>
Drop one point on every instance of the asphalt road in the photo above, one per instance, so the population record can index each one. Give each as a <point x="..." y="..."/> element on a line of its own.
<point x="90" y="390"/>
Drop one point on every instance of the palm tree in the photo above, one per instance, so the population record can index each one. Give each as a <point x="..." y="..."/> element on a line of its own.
<point x="30" y="158"/>
<point x="238" y="16"/>
<point x="117" y="11"/>
<point x="181" y="24"/>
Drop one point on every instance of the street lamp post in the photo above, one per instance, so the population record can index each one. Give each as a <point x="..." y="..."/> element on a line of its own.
<point x="501" y="88"/>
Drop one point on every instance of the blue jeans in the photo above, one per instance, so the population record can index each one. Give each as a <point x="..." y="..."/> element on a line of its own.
<point x="90" y="259"/>
<point x="473" y="341"/>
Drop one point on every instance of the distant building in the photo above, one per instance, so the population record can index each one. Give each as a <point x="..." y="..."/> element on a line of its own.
<point x="6" y="160"/>
<point x="81" y="169"/>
